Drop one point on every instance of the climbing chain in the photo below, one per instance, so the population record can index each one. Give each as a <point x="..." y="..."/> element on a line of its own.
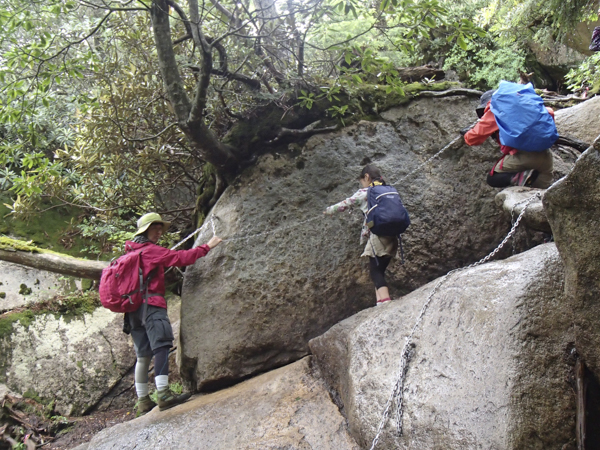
<point x="192" y="235"/>
<point x="397" y="391"/>
<point x="450" y="145"/>
<point x="512" y="219"/>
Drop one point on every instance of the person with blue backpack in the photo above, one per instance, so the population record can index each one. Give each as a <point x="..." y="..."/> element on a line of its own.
<point x="385" y="219"/>
<point x="515" y="117"/>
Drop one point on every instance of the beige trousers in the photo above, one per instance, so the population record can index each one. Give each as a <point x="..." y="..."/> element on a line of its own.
<point x="381" y="246"/>
<point x="540" y="161"/>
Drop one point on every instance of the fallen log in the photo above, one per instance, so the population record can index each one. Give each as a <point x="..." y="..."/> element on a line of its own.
<point x="52" y="262"/>
<point x="412" y="74"/>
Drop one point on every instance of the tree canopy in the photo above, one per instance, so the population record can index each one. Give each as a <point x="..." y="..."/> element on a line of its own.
<point x="120" y="106"/>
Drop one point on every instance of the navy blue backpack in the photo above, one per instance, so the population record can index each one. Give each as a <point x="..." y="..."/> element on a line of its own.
<point x="386" y="215"/>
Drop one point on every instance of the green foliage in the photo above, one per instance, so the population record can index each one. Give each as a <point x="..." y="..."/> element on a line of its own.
<point x="24" y="318"/>
<point x="484" y="64"/>
<point x="587" y="75"/>
<point x="520" y="21"/>
<point x="176" y="388"/>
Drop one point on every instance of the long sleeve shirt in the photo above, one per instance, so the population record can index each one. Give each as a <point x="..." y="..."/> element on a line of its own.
<point x="157" y="257"/>
<point x="357" y="200"/>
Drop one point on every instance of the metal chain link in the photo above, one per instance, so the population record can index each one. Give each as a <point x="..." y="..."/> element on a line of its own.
<point x="398" y="389"/>
<point x="452" y="143"/>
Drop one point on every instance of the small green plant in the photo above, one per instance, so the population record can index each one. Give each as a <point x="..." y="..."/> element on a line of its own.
<point x="59" y="420"/>
<point x="176" y="388"/>
<point x="307" y="99"/>
<point x="339" y="112"/>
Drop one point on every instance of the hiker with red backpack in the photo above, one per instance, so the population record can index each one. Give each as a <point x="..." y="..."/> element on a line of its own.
<point x="515" y="117"/>
<point x="145" y="306"/>
<point x="385" y="219"/>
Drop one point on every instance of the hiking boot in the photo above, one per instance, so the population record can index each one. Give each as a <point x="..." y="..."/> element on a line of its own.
<point x="144" y="405"/>
<point x="525" y="178"/>
<point x="167" y="399"/>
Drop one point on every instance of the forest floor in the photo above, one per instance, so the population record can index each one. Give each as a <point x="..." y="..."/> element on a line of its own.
<point x="84" y="428"/>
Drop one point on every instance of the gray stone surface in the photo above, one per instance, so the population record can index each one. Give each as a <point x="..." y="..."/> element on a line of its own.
<point x="253" y="304"/>
<point x="581" y="121"/>
<point x="573" y="209"/>
<point x="488" y="370"/>
<point x="288" y="408"/>
<point x="39" y="285"/>
<point x="512" y="200"/>
<point x="73" y="362"/>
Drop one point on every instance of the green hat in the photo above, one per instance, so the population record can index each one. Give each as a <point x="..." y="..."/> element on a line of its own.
<point x="146" y="220"/>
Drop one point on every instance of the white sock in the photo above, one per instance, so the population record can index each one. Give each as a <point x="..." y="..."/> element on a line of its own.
<point x="141" y="389"/>
<point x="162" y="382"/>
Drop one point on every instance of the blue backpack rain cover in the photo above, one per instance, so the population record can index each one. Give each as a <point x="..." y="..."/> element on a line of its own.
<point x="386" y="215"/>
<point x="523" y="120"/>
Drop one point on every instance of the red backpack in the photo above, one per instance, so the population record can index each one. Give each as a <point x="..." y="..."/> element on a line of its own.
<point x="122" y="285"/>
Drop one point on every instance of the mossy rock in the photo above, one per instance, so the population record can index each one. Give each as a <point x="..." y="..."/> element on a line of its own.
<point x="24" y="290"/>
<point x="48" y="230"/>
<point x="251" y="136"/>
<point x="25" y="318"/>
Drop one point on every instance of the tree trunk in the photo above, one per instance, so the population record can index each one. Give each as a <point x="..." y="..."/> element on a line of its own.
<point x="190" y="115"/>
<point x="62" y="264"/>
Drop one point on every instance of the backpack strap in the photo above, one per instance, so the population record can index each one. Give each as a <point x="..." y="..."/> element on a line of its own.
<point x="145" y="294"/>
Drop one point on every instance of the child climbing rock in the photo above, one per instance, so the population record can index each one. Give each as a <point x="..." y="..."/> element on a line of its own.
<point x="379" y="249"/>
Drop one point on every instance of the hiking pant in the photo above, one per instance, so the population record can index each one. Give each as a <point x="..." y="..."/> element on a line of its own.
<point x="520" y="161"/>
<point x="377" y="268"/>
<point x="155" y="334"/>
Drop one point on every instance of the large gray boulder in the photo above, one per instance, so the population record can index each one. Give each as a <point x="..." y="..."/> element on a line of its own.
<point x="573" y="209"/>
<point x="71" y="361"/>
<point x="514" y="199"/>
<point x="581" y="121"/>
<point x="21" y="286"/>
<point x="488" y="369"/>
<point x="252" y="304"/>
<point x="288" y="408"/>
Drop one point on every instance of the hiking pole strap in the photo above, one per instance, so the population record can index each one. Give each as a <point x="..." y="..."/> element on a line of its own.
<point x="144" y="297"/>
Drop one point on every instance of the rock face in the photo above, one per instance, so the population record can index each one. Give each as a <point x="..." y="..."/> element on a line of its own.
<point x="581" y="121"/>
<point x="20" y="285"/>
<point x="487" y="370"/>
<point x="513" y="199"/>
<point x="288" y="408"/>
<point x="73" y="362"/>
<point x="573" y="209"/>
<point x="253" y="304"/>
